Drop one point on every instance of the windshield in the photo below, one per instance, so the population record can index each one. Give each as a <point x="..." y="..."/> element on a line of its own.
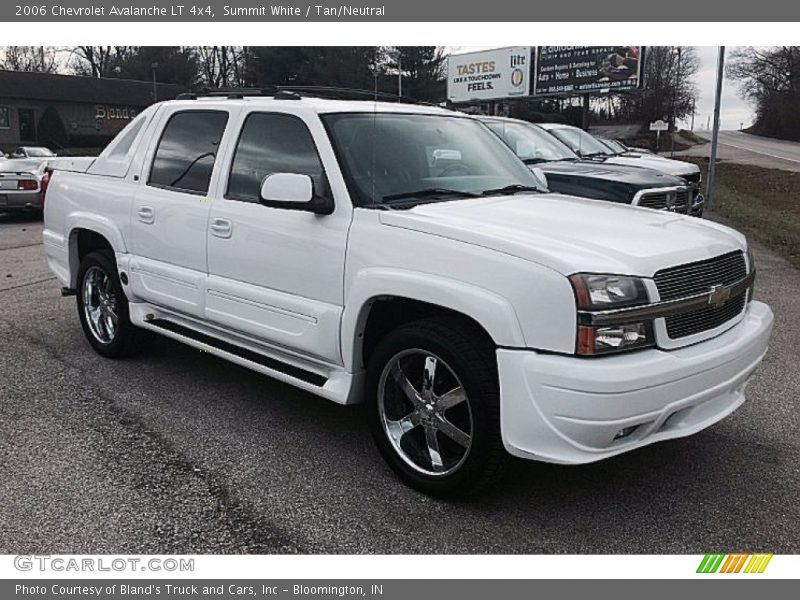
<point x="580" y="141"/>
<point x="617" y="146"/>
<point x="530" y="143"/>
<point x="38" y="152"/>
<point x="390" y="158"/>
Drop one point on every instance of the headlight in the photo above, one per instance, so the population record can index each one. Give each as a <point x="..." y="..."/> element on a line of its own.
<point x="751" y="266"/>
<point x="607" y="292"/>
<point x="598" y="292"/>
<point x="751" y="261"/>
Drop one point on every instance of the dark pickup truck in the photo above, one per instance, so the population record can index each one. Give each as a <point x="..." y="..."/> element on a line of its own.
<point x="567" y="173"/>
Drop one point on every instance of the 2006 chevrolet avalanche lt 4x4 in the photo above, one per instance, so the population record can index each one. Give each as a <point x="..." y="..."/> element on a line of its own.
<point x="402" y="256"/>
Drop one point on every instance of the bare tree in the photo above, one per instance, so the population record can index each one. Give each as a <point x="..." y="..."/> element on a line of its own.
<point x="223" y="66"/>
<point x="97" y="61"/>
<point x="35" y="59"/>
<point x="770" y="79"/>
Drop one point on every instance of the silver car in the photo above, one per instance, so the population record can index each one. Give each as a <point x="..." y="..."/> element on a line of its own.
<point x="21" y="184"/>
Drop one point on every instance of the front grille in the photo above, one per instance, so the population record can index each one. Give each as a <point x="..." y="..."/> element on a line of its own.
<point x="657" y="201"/>
<point x="698" y="278"/>
<point x="704" y="319"/>
<point x="673" y="200"/>
<point x="682" y="201"/>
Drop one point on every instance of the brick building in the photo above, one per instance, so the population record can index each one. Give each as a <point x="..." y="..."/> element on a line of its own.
<point x="65" y="111"/>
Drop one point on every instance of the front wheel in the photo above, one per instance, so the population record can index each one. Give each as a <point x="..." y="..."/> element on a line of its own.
<point x="103" y="308"/>
<point x="433" y="406"/>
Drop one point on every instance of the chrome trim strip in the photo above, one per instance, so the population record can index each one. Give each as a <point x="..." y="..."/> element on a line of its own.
<point x="662" y="190"/>
<point x="667" y="308"/>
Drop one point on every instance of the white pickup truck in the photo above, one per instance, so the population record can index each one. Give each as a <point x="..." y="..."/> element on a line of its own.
<point x="402" y="256"/>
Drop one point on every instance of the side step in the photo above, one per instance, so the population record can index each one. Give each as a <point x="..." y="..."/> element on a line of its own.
<point x="314" y="379"/>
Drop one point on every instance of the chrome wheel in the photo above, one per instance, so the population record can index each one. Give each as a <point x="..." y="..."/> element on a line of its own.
<point x="100" y="305"/>
<point x="425" y="412"/>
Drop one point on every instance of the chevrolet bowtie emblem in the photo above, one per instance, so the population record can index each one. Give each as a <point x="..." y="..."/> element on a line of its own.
<point x="719" y="295"/>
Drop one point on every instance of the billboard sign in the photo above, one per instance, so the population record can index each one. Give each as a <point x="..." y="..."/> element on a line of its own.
<point x="572" y="70"/>
<point x="489" y="75"/>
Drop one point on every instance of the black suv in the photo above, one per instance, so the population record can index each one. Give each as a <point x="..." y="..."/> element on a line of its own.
<point x="567" y="173"/>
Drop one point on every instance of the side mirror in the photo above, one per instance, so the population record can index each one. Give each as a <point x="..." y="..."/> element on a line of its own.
<point x="293" y="191"/>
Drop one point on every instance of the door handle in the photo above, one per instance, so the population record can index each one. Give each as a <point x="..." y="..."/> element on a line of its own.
<point x="146" y="215"/>
<point x="221" y="228"/>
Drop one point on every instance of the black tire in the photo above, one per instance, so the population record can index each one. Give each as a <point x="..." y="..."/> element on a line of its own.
<point x="127" y="339"/>
<point x="471" y="358"/>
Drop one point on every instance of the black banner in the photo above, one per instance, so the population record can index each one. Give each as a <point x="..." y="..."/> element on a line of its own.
<point x="570" y="70"/>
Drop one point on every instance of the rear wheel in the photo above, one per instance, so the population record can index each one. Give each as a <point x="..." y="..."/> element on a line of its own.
<point x="433" y="406"/>
<point x="103" y="308"/>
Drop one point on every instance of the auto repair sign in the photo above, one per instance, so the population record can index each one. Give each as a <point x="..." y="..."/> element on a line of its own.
<point x="489" y="75"/>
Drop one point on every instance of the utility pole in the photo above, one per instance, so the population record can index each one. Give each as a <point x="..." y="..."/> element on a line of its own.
<point x="585" y="113"/>
<point x="675" y="51"/>
<point x="712" y="165"/>
<point x="154" y="66"/>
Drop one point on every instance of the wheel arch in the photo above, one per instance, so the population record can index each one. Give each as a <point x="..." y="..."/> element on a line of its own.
<point x="87" y="234"/>
<point x="383" y="299"/>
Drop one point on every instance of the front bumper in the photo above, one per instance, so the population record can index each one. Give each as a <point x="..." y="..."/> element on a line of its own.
<point x="572" y="410"/>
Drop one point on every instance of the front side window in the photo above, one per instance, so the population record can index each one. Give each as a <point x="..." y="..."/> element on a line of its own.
<point x="530" y="143"/>
<point x="273" y="143"/>
<point x="5" y="118"/>
<point x="580" y="141"/>
<point x="187" y="150"/>
<point x="392" y="158"/>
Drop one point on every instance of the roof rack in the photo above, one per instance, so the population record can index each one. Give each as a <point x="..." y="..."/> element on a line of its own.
<point x="296" y="92"/>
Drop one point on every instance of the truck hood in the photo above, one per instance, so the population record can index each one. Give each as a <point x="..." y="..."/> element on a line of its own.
<point x="605" y="171"/>
<point x="571" y="234"/>
<point x="652" y="161"/>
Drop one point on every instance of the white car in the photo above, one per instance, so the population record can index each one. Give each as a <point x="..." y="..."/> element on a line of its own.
<point x="401" y="256"/>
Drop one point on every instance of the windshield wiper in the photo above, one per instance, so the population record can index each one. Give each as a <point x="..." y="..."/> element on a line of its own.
<point x="534" y="161"/>
<point x="595" y="155"/>
<point x="514" y="188"/>
<point x="430" y="193"/>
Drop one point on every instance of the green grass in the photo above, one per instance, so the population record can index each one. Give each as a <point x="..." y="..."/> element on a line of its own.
<point x="762" y="203"/>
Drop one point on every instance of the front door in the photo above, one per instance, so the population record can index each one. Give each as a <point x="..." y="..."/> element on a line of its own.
<point x="27" y="125"/>
<point x="277" y="274"/>
<point x="170" y="212"/>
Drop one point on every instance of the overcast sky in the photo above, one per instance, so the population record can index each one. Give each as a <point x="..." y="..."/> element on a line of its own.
<point x="734" y="111"/>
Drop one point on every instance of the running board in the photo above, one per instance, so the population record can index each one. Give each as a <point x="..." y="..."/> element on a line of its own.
<point x="243" y="353"/>
<point x="329" y="381"/>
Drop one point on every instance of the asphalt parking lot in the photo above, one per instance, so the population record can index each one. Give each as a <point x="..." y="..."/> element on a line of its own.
<point x="176" y="451"/>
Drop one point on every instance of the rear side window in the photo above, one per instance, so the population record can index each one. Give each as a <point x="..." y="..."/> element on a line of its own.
<point x="273" y="143"/>
<point x="187" y="150"/>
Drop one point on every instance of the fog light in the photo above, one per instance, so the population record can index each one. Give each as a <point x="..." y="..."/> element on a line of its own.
<point x="625" y="432"/>
<point x="601" y="340"/>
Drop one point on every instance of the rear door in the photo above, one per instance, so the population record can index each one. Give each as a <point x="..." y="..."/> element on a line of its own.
<point x="276" y="274"/>
<point x="170" y="210"/>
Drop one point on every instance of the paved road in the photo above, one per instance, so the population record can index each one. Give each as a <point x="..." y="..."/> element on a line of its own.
<point x="179" y="452"/>
<point x="743" y="148"/>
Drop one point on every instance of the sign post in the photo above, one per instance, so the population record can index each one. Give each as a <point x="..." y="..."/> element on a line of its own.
<point x="712" y="165"/>
<point x="658" y="126"/>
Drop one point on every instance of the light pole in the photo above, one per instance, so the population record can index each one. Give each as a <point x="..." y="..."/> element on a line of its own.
<point x="712" y="164"/>
<point x="395" y="54"/>
<point x="154" y="66"/>
<point x="676" y="51"/>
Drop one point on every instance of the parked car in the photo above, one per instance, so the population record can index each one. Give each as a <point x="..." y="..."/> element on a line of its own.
<point x="21" y="185"/>
<point x="567" y="173"/>
<point x="32" y="152"/>
<point x="587" y="146"/>
<point x="401" y="256"/>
